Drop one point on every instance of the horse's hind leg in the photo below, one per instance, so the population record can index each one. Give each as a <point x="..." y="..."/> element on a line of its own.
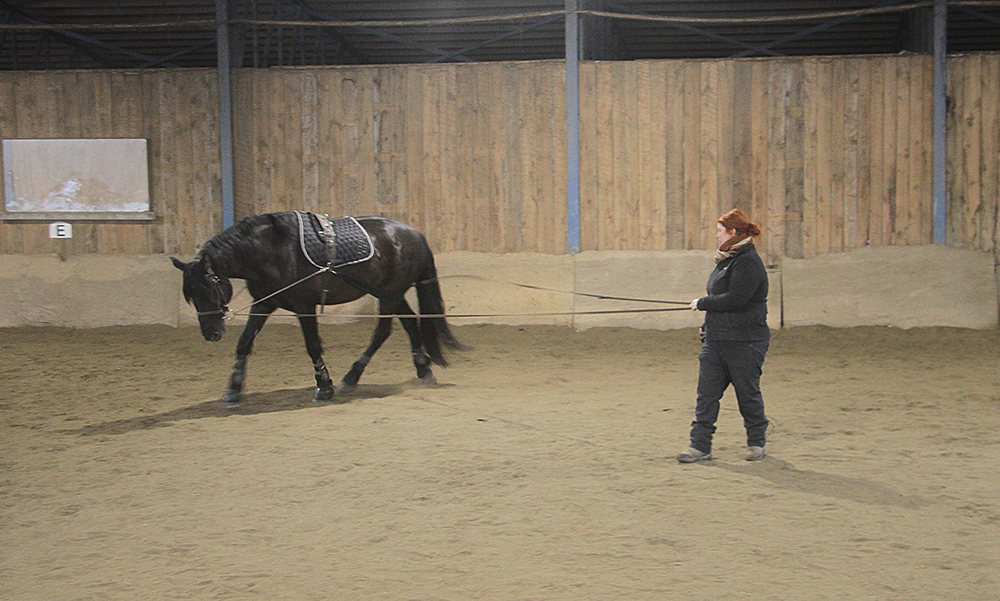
<point x="314" y="346"/>
<point x="420" y="360"/>
<point x="379" y="336"/>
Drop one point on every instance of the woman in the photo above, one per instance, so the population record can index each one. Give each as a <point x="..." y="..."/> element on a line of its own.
<point x="735" y="338"/>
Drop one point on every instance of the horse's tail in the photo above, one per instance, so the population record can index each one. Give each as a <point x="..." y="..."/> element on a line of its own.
<point x="434" y="330"/>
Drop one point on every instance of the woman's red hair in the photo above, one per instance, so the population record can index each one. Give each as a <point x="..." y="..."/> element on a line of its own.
<point x="738" y="220"/>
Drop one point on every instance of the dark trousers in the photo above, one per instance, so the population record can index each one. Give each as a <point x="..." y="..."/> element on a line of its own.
<point x="721" y="363"/>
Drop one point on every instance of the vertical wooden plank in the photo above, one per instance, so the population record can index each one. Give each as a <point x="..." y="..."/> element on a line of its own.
<point x="881" y="115"/>
<point x="972" y="211"/>
<point x="619" y="165"/>
<point x="492" y="97"/>
<point x="656" y="157"/>
<point x="955" y="152"/>
<point x="605" y="156"/>
<point x="729" y="133"/>
<point x="643" y="225"/>
<point x="264" y="142"/>
<point x="451" y="192"/>
<point x="589" y="144"/>
<point x="202" y="172"/>
<point x="545" y="190"/>
<point x="628" y="173"/>
<point x="413" y="191"/>
<point x="636" y="231"/>
<point x="709" y="167"/>
<point x="183" y="101"/>
<point x="922" y="145"/>
<point x="866" y="147"/>
<point x="466" y="158"/>
<point x="740" y="168"/>
<point x="693" y="217"/>
<point x="150" y="95"/>
<point x="759" y="100"/>
<point x="813" y="105"/>
<point x="433" y="98"/>
<point x="824" y="103"/>
<point x="329" y="167"/>
<point x="99" y="124"/>
<point x="11" y="235"/>
<point x="292" y="145"/>
<point x="366" y="139"/>
<point x="168" y="128"/>
<point x="126" y="122"/>
<point x="675" y="156"/>
<point x="310" y="141"/>
<point x="852" y="152"/>
<point x="350" y="93"/>
<point x="776" y="156"/>
<point x="837" y="90"/>
<point x="794" y="168"/>
<point x="545" y="200"/>
<point x="560" y="223"/>
<point x="889" y="144"/>
<point x="899" y="225"/>
<point x="511" y="188"/>
<point x="990" y="72"/>
<point x="35" y="116"/>
<point x="243" y="142"/>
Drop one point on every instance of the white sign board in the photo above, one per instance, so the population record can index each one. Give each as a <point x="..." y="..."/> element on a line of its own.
<point x="60" y="229"/>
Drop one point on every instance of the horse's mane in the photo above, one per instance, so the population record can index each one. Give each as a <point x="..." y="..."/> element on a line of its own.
<point x="242" y="238"/>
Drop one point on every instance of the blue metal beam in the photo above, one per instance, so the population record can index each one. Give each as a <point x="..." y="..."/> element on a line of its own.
<point x="225" y="112"/>
<point x="940" y="121"/>
<point x="573" y="126"/>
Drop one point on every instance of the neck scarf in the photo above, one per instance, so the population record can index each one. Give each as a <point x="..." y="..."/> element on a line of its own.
<point x="732" y="246"/>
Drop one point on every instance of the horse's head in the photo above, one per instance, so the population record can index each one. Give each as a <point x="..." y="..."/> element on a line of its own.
<point x="209" y="293"/>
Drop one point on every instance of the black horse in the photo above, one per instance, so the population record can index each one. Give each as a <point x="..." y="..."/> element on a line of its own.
<point x="267" y="251"/>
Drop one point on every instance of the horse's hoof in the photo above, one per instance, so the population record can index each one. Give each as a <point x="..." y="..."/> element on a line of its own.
<point x="345" y="388"/>
<point x="323" y="394"/>
<point x="231" y="400"/>
<point x="429" y="380"/>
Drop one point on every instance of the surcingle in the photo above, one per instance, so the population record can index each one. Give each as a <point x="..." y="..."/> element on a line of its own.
<point x="333" y="242"/>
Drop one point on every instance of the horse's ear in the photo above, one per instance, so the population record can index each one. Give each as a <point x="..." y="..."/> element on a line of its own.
<point x="207" y="264"/>
<point x="177" y="263"/>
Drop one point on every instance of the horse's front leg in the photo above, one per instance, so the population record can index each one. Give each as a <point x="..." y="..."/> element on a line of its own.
<point x="244" y="347"/>
<point x="314" y="346"/>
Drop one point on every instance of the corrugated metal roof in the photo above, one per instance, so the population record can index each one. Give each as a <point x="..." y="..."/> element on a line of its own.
<point x="51" y="34"/>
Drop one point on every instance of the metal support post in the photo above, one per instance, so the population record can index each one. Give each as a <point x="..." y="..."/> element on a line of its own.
<point x="940" y="121"/>
<point x="573" y="126"/>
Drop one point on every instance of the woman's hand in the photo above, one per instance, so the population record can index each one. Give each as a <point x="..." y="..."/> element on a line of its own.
<point x="694" y="304"/>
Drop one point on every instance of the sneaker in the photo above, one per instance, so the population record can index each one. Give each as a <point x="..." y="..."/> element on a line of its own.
<point x="692" y="454"/>
<point x="755" y="453"/>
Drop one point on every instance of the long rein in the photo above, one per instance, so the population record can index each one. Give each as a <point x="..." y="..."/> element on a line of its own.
<point x="229" y="314"/>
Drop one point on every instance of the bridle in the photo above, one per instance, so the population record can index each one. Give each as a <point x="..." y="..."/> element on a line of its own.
<point x="224" y="309"/>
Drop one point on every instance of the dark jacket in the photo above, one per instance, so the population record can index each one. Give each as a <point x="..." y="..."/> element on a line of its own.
<point x="736" y="305"/>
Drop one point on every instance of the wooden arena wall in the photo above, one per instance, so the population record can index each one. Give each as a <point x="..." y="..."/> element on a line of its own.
<point x="828" y="154"/>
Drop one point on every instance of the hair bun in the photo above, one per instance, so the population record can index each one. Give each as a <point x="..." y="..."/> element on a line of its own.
<point x="739" y="221"/>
